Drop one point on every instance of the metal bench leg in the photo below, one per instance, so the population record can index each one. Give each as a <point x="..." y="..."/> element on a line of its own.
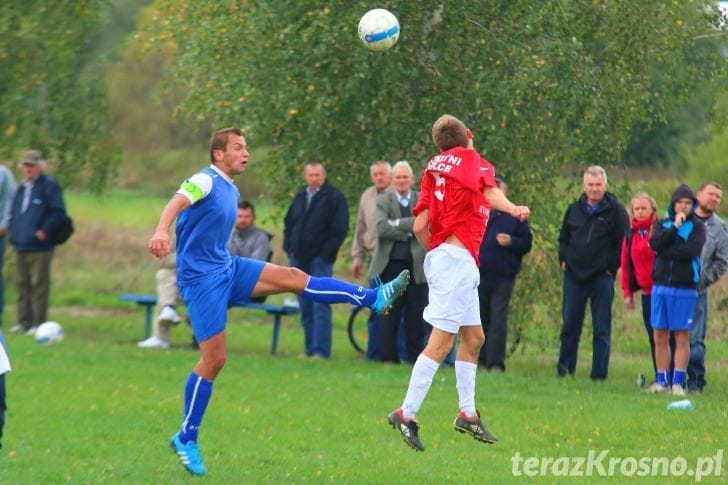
<point x="276" y="331"/>
<point x="148" y="322"/>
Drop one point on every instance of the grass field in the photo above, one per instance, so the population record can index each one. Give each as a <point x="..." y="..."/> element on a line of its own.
<point x="95" y="408"/>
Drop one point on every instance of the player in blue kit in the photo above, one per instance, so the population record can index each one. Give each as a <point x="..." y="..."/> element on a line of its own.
<point x="210" y="280"/>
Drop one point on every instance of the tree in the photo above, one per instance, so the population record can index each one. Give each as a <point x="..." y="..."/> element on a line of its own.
<point x="49" y="99"/>
<point x="541" y="84"/>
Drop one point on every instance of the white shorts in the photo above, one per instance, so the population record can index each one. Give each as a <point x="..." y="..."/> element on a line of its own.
<point x="452" y="278"/>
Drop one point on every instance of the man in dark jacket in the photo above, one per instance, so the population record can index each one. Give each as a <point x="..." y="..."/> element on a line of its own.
<point x="38" y="209"/>
<point x="505" y="243"/>
<point x="315" y="227"/>
<point x="589" y="254"/>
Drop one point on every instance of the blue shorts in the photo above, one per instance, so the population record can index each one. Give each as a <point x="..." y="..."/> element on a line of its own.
<point x="208" y="301"/>
<point x="672" y="308"/>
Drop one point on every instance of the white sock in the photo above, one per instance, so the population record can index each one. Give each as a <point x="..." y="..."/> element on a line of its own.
<point x="465" y="382"/>
<point x="422" y="374"/>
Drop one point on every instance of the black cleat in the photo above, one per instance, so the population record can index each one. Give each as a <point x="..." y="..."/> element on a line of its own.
<point x="475" y="427"/>
<point x="408" y="429"/>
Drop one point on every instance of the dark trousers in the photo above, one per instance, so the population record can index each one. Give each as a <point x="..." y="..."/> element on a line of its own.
<point x="646" y="319"/>
<point x="33" y="284"/>
<point x="3" y="406"/>
<point x="373" y="352"/>
<point x="696" y="365"/>
<point x="599" y="292"/>
<point x="413" y="303"/>
<point x="494" y="299"/>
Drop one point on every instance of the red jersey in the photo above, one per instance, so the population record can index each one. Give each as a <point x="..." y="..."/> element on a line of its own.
<point x="452" y="189"/>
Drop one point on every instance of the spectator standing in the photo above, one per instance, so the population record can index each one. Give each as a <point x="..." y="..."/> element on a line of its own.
<point x="365" y="241"/>
<point x="637" y="260"/>
<point x="397" y="250"/>
<point x="678" y="241"/>
<point x="38" y="209"/>
<point x="589" y="253"/>
<point x="7" y="192"/>
<point x="713" y="265"/>
<point x="246" y="241"/>
<point x="506" y="241"/>
<point x="315" y="226"/>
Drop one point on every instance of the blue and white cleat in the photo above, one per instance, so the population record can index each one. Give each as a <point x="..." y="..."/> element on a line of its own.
<point x="189" y="455"/>
<point x="388" y="292"/>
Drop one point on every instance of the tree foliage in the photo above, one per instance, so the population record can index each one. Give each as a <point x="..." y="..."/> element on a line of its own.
<point x="49" y="98"/>
<point x="541" y="84"/>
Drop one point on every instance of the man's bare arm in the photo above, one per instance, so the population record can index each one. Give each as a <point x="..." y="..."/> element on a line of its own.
<point x="159" y="243"/>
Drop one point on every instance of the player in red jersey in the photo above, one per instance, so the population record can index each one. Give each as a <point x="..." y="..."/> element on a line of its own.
<point x="458" y="191"/>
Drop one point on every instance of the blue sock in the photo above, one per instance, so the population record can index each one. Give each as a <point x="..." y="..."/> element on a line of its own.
<point x="330" y="290"/>
<point x="678" y="378"/>
<point x="662" y="378"/>
<point x="197" y="394"/>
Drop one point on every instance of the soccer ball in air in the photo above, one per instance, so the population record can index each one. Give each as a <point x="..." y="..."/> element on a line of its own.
<point x="379" y="29"/>
<point x="49" y="333"/>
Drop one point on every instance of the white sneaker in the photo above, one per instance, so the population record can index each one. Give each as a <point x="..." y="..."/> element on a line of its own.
<point x="17" y="329"/>
<point x="153" y="343"/>
<point x="31" y="330"/>
<point x="657" y="388"/>
<point x="169" y="315"/>
<point x="678" y="390"/>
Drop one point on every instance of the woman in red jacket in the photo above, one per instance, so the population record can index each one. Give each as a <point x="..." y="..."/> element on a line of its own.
<point x="638" y="259"/>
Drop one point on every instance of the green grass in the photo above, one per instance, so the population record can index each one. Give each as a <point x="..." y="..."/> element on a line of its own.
<point x="95" y="408"/>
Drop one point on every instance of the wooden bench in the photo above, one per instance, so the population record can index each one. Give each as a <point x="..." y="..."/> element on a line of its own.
<point x="148" y="302"/>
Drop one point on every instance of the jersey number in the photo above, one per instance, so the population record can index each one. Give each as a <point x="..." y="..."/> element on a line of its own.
<point x="439" y="186"/>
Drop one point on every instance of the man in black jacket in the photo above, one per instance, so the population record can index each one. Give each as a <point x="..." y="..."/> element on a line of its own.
<point x="38" y="210"/>
<point x="506" y="241"/>
<point x="589" y="253"/>
<point x="315" y="227"/>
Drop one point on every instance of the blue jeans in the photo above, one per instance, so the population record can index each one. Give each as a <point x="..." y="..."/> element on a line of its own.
<point x="599" y="292"/>
<point x="316" y="317"/>
<point x="696" y="365"/>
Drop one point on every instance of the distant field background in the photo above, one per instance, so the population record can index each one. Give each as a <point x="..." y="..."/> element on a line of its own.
<point x="96" y="408"/>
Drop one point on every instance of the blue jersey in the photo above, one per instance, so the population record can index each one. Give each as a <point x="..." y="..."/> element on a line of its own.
<point x="203" y="229"/>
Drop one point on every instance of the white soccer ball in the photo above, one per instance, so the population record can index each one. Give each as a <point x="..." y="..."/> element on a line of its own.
<point x="49" y="333"/>
<point x="379" y="29"/>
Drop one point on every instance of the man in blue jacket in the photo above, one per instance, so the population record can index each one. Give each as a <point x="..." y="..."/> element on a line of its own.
<point x="38" y="209"/>
<point x="315" y="227"/>
<point x="505" y="243"/>
<point x="590" y="242"/>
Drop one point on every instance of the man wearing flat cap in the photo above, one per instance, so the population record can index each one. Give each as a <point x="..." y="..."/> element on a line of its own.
<point x="37" y="210"/>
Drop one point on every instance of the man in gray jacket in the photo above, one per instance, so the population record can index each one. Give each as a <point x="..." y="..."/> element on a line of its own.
<point x="246" y="240"/>
<point x="397" y="250"/>
<point x="713" y="264"/>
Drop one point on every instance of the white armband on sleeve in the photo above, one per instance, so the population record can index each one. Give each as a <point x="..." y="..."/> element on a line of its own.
<point x="196" y="187"/>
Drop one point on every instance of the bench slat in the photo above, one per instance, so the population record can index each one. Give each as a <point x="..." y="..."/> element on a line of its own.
<point x="148" y="302"/>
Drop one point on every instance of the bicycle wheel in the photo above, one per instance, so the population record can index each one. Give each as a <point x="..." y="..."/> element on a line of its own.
<point x="358" y="330"/>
